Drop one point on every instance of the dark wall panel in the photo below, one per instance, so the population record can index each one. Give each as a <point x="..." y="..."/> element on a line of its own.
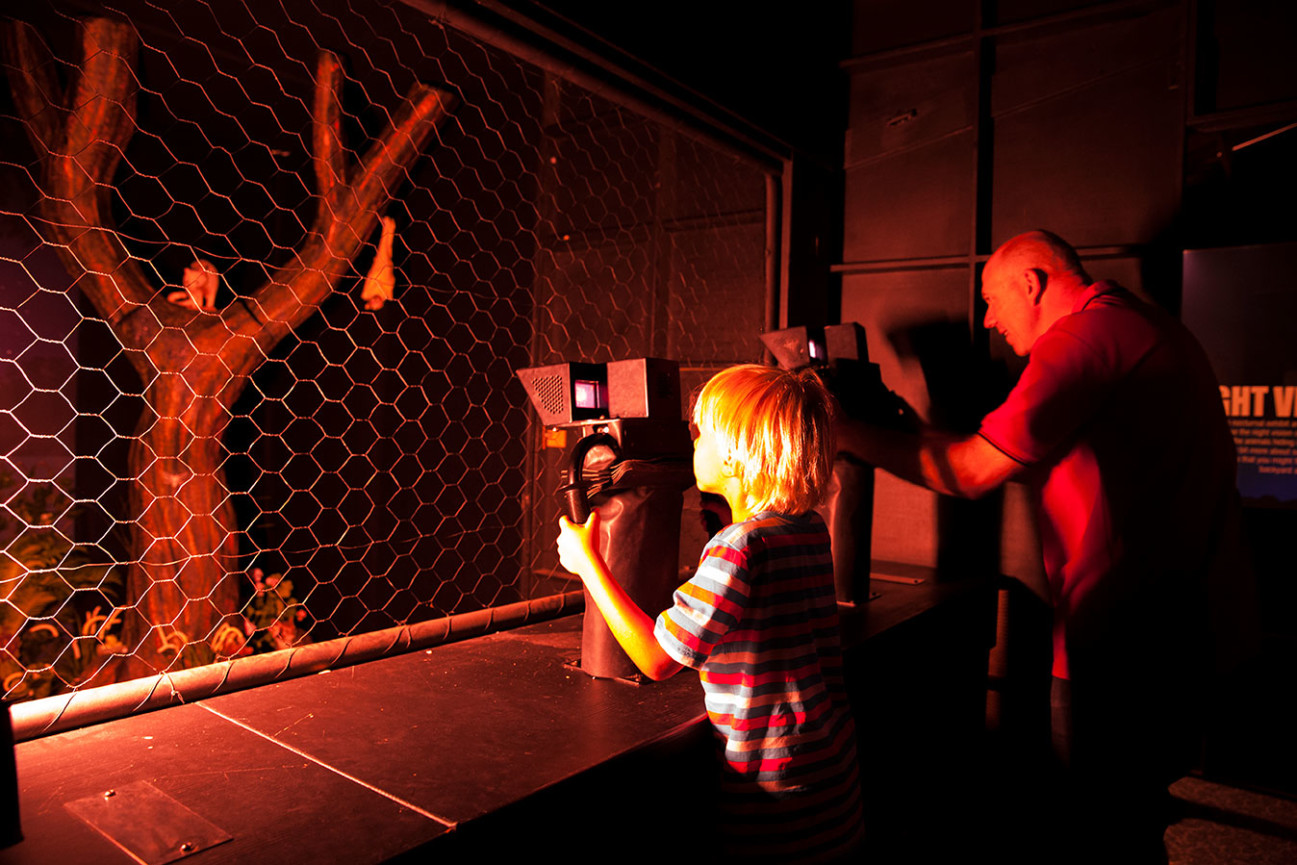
<point x="909" y="158"/>
<point x="915" y="204"/>
<point x="1127" y="271"/>
<point x="1087" y="131"/>
<point x="905" y="106"/>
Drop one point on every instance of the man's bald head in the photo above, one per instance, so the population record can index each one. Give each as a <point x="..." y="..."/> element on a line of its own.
<point x="1040" y="250"/>
<point x="1028" y="284"/>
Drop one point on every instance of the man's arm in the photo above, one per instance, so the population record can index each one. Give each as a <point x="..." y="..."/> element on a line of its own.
<point x="967" y="466"/>
<point x="633" y="629"/>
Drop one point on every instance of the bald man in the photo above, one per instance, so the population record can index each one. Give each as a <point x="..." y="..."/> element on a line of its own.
<point x="1117" y="425"/>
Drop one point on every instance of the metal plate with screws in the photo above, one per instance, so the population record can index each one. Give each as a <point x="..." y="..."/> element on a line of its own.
<point x="147" y="823"/>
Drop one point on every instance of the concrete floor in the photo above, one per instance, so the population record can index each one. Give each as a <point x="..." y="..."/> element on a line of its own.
<point x="1222" y="825"/>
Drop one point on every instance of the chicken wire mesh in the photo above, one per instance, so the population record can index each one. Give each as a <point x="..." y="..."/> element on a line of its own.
<point x="239" y="411"/>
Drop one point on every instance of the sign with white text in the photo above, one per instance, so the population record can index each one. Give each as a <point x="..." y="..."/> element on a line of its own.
<point x="1241" y="303"/>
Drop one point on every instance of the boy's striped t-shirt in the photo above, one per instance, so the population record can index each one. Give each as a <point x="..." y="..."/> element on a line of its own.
<point x="759" y="622"/>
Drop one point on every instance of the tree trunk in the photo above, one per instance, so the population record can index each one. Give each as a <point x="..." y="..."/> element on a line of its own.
<point x="184" y="541"/>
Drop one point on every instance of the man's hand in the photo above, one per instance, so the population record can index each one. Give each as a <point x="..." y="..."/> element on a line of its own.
<point x="578" y="545"/>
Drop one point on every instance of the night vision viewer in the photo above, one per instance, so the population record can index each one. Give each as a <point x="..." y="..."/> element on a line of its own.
<point x="632" y="458"/>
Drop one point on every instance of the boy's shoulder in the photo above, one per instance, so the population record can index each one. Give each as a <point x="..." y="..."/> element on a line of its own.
<point x="773" y="527"/>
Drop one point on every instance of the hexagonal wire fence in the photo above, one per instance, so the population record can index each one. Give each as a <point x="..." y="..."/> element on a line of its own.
<point x="235" y="415"/>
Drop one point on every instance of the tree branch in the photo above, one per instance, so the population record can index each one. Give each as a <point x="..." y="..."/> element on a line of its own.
<point x="347" y="215"/>
<point x="329" y="158"/>
<point x="80" y="152"/>
<point x="102" y="108"/>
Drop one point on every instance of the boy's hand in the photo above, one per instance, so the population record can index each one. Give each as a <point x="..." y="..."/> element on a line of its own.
<point x="578" y="544"/>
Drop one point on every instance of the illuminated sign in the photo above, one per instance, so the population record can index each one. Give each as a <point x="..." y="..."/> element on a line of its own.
<point x="1241" y="304"/>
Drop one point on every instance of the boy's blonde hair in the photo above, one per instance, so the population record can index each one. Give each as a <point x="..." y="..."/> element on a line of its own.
<point x="775" y="428"/>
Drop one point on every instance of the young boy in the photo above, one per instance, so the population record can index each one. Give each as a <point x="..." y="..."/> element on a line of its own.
<point x="758" y="620"/>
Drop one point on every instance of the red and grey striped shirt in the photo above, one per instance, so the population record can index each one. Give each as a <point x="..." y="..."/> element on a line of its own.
<point x="759" y="621"/>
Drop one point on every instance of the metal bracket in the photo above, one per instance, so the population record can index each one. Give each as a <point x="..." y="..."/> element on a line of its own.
<point x="148" y="824"/>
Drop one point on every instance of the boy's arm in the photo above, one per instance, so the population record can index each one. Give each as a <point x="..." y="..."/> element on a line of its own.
<point x="578" y="551"/>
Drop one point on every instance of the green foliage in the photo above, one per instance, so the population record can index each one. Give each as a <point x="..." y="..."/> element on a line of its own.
<point x="270" y="619"/>
<point x="57" y="615"/>
<point x="61" y="602"/>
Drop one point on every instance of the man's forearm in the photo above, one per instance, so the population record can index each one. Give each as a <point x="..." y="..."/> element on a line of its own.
<point x="959" y="466"/>
<point x="893" y="451"/>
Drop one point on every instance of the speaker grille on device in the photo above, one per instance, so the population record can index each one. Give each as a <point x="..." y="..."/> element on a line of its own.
<point x="552" y="393"/>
